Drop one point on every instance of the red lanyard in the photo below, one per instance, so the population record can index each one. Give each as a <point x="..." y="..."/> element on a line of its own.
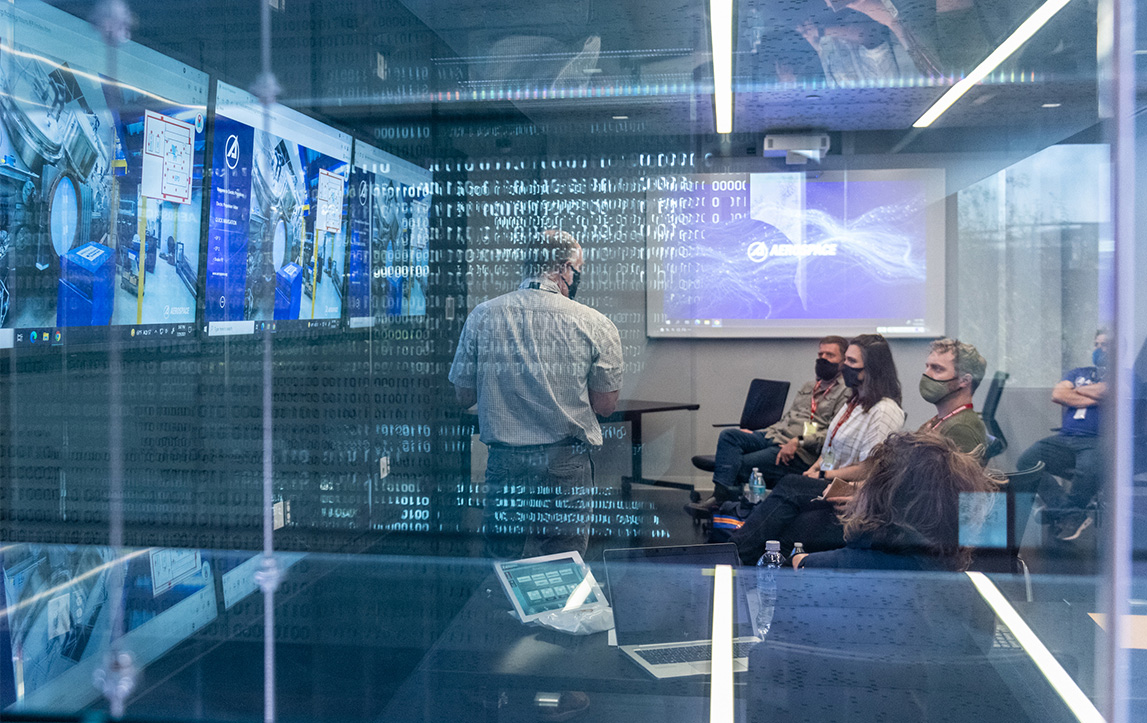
<point x="954" y="412"/>
<point x="812" y="412"/>
<point x="847" y="414"/>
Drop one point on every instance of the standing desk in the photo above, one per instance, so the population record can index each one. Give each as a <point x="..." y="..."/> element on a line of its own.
<point x="632" y="410"/>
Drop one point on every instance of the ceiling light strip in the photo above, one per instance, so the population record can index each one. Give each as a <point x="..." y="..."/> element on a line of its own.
<point x="721" y="31"/>
<point x="1076" y="700"/>
<point x="721" y="680"/>
<point x="1013" y="42"/>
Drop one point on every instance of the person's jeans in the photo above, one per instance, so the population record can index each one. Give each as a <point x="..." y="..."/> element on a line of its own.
<point x="1075" y="458"/>
<point x="773" y="518"/>
<point x="538" y="500"/>
<point x="739" y="451"/>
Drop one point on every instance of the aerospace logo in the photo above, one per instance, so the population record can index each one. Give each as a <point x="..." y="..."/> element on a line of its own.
<point x="362" y="193"/>
<point x="759" y="251"/>
<point x="232" y="151"/>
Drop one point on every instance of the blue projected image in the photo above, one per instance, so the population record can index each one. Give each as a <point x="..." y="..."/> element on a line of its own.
<point x="790" y="254"/>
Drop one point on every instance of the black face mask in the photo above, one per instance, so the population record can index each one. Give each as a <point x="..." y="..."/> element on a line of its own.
<point x="573" y="284"/>
<point x="851" y="376"/>
<point x="826" y="370"/>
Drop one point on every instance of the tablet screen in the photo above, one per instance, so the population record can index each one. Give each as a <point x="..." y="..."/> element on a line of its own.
<point x="542" y="584"/>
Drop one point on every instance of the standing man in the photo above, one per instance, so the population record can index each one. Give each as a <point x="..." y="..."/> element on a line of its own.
<point x="952" y="373"/>
<point x="1074" y="452"/>
<point x="791" y="444"/>
<point x="541" y="367"/>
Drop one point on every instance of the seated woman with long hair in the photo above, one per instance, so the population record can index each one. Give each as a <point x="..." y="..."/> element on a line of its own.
<point x="906" y="515"/>
<point x="871" y="415"/>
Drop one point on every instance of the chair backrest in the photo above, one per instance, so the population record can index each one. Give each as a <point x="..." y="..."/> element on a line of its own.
<point x="1021" y="489"/>
<point x="1000" y="535"/>
<point x="997" y="443"/>
<point x="764" y="404"/>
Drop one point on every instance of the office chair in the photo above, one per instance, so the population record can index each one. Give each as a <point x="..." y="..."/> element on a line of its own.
<point x="997" y="443"/>
<point x="764" y="405"/>
<point x="1019" y="493"/>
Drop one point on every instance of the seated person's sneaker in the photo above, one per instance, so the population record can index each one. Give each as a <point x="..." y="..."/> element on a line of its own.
<point x="1072" y="524"/>
<point x="705" y="508"/>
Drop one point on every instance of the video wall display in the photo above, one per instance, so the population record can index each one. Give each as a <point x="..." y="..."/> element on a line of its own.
<point x="796" y="254"/>
<point x="100" y="184"/>
<point x="276" y="240"/>
<point x="389" y="220"/>
<point x="58" y="603"/>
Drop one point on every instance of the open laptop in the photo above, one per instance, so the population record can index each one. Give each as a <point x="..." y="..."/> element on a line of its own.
<point x="663" y="603"/>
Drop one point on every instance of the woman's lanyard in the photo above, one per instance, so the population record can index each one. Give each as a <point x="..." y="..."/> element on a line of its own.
<point x="847" y="413"/>
<point x="815" y="389"/>
<point x="952" y="413"/>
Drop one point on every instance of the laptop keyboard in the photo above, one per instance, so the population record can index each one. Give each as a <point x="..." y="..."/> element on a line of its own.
<point x="690" y="653"/>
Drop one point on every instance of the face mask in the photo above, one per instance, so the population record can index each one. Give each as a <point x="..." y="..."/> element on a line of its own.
<point x="826" y="370"/>
<point x="934" y="390"/>
<point x="573" y="284"/>
<point x="1099" y="357"/>
<point x="851" y="376"/>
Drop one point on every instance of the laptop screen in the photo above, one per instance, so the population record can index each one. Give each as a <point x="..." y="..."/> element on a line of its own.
<point x="665" y="594"/>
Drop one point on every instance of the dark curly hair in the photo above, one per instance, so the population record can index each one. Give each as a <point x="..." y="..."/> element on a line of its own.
<point x="911" y="499"/>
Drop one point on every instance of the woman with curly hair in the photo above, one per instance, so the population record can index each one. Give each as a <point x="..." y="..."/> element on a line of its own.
<point x="907" y="514"/>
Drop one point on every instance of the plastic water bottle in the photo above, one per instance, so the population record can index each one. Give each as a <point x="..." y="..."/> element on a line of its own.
<point x="767" y="568"/>
<point x="757" y="489"/>
<point x="798" y="549"/>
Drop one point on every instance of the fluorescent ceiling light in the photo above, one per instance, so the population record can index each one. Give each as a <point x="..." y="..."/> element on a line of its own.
<point x="721" y="30"/>
<point x="721" y="677"/>
<point x="1013" y="42"/>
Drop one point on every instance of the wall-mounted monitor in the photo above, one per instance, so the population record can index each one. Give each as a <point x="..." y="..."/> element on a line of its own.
<point x="389" y="219"/>
<point x="801" y="254"/>
<point x="100" y="184"/>
<point x="58" y="602"/>
<point x="276" y="240"/>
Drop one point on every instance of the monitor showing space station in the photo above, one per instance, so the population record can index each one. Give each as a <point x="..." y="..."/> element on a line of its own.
<point x="101" y="174"/>
<point x="796" y="254"/>
<point x="276" y="244"/>
<point x="389" y="220"/>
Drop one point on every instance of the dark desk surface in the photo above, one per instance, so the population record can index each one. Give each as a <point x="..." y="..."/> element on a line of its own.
<point x="487" y="663"/>
<point x="899" y="647"/>
<point x="627" y="409"/>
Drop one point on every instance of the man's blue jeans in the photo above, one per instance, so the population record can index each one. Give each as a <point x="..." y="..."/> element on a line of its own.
<point x="538" y="500"/>
<point x="739" y="451"/>
<point x="1075" y="458"/>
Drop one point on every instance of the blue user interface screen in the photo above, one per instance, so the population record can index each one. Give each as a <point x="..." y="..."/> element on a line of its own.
<point x="59" y="602"/>
<point x="389" y="219"/>
<point x="101" y="175"/>
<point x="276" y="247"/>
<point x="542" y="586"/>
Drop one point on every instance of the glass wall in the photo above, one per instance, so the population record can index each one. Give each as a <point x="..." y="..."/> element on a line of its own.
<point x="312" y="311"/>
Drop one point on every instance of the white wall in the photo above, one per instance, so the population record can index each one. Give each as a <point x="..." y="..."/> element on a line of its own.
<point x="716" y="375"/>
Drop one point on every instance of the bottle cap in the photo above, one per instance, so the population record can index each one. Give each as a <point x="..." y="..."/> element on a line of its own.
<point x="773" y="546"/>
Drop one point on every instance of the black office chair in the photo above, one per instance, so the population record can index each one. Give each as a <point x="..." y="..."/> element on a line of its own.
<point x="1019" y="493"/>
<point x="764" y="405"/>
<point x="997" y="443"/>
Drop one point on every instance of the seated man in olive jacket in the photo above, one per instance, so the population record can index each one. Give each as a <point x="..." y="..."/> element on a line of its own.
<point x="788" y="446"/>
